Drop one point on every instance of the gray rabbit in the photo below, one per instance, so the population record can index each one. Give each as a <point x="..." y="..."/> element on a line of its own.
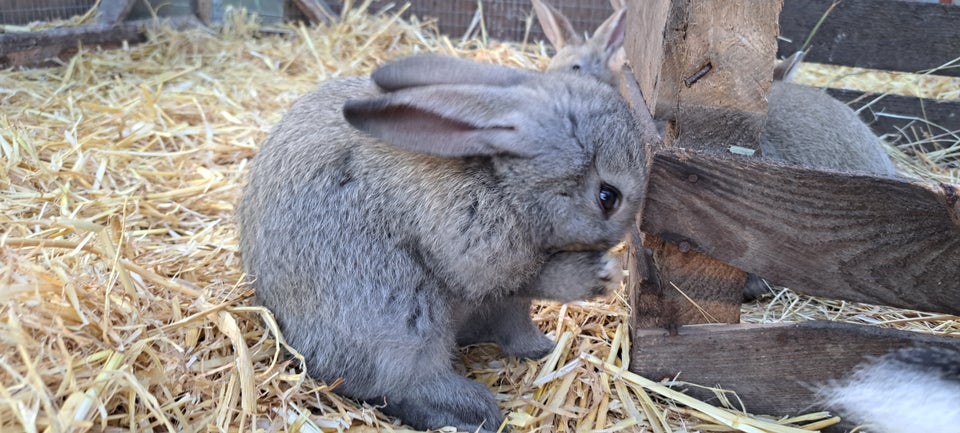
<point x="601" y="55"/>
<point x="387" y="220"/>
<point x="805" y="126"/>
<point x="915" y="389"/>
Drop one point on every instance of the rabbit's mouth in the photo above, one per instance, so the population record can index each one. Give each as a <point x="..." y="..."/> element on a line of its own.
<point x="581" y="247"/>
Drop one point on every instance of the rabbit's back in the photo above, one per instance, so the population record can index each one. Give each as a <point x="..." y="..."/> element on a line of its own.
<point x="808" y="127"/>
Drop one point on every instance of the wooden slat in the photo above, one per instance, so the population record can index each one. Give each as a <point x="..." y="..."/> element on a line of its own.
<point x="881" y="34"/>
<point x="891" y="113"/>
<point x="205" y="11"/>
<point x="113" y="11"/>
<point x="772" y="368"/>
<point x="15" y="48"/>
<point x="317" y="11"/>
<point x="855" y="237"/>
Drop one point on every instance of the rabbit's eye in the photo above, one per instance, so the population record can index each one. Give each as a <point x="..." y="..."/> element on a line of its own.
<point x="608" y="198"/>
<point x="576" y="68"/>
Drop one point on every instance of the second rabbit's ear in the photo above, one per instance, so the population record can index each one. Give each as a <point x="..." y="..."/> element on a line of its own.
<point x="555" y="25"/>
<point x="434" y="69"/>
<point x="787" y="68"/>
<point x="609" y="36"/>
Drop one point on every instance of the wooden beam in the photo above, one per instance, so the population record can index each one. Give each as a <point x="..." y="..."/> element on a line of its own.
<point x="711" y="92"/>
<point x="51" y="42"/>
<point x="772" y="368"/>
<point x="317" y="11"/>
<point x="838" y="235"/>
<point x="205" y="11"/>
<point x="880" y="34"/>
<point x="113" y="11"/>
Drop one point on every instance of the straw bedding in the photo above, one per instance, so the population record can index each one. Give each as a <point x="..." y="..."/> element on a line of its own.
<point x="121" y="303"/>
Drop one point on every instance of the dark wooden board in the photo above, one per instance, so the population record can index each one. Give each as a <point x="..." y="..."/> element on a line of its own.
<point x="880" y="34"/>
<point x="772" y="368"/>
<point x="33" y="48"/>
<point x="838" y="235"/>
<point x="887" y="115"/>
<point x="317" y="11"/>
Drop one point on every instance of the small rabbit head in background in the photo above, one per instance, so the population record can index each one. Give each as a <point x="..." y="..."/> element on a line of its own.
<point x="601" y="55"/>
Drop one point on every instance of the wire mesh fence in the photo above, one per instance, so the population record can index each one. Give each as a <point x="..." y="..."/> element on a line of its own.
<point x="26" y="11"/>
<point x="501" y="19"/>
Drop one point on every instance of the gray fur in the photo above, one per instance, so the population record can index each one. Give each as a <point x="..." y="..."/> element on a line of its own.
<point x="805" y="126"/>
<point x="378" y="250"/>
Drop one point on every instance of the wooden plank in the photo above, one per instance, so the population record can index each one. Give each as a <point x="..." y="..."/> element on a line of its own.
<point x="711" y="92"/>
<point x="772" y="368"/>
<point x="881" y="34"/>
<point x="892" y="113"/>
<point x="205" y="11"/>
<point x="317" y="11"/>
<point x="839" y="235"/>
<point x="113" y="11"/>
<point x="53" y="41"/>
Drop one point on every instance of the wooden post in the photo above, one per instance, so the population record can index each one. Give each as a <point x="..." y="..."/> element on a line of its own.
<point x="205" y="11"/>
<point x="704" y="67"/>
<point x="849" y="236"/>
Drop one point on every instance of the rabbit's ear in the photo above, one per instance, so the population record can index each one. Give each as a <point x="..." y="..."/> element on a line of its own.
<point x="433" y="69"/>
<point x="617" y="4"/>
<point x="555" y="25"/>
<point x="787" y="68"/>
<point x="450" y="121"/>
<point x="609" y="36"/>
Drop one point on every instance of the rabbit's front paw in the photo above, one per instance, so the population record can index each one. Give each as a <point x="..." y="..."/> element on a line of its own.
<point x="574" y="276"/>
<point x="610" y="275"/>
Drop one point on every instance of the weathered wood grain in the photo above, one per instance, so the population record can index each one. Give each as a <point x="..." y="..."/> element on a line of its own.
<point x="772" y="368"/>
<point x="838" y="235"/>
<point x="707" y="66"/>
<point x="880" y="34"/>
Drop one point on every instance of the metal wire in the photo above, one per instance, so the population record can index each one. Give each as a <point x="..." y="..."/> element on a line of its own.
<point x="503" y="19"/>
<point x="26" y="11"/>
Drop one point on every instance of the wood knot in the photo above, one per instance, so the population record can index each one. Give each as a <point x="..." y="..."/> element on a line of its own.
<point x="951" y="198"/>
